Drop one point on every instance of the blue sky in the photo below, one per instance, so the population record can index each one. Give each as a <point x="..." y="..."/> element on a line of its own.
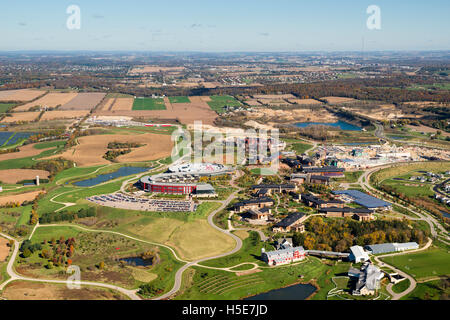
<point x="231" y="25"/>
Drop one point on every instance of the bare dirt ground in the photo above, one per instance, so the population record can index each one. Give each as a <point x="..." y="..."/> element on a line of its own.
<point x="19" y="198"/>
<point x="422" y="103"/>
<point x="91" y="149"/>
<point x="426" y="129"/>
<point x="57" y="115"/>
<point x="107" y="104"/>
<point x="4" y="249"/>
<point x="122" y="104"/>
<point x="25" y="151"/>
<point x="338" y="99"/>
<point x="252" y="102"/>
<point x="25" y="290"/>
<point x="383" y="112"/>
<point x="21" y="116"/>
<point x="20" y="95"/>
<point x="84" y="101"/>
<point x="12" y="176"/>
<point x="50" y="100"/>
<point x="304" y="101"/>
<point x="186" y="113"/>
<point x="265" y="115"/>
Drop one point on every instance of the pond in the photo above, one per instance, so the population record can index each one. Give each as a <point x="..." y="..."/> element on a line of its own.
<point x="137" y="261"/>
<point x="445" y="214"/>
<point x="340" y="124"/>
<point x="122" y="172"/>
<point x="296" y="292"/>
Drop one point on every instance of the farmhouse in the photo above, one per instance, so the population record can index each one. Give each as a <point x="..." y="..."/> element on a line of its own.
<point x="292" y="222"/>
<point x="283" y="256"/>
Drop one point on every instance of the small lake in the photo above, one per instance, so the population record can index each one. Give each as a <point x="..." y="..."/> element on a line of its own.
<point x="445" y="214"/>
<point x="295" y="292"/>
<point x="340" y="124"/>
<point x="137" y="261"/>
<point x="122" y="172"/>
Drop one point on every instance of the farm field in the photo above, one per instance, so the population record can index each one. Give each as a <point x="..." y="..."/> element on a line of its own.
<point x="333" y="100"/>
<point x="122" y="104"/>
<point x="91" y="149"/>
<point x="304" y="101"/>
<point x="6" y="106"/>
<point x="4" y="249"/>
<point x="179" y="99"/>
<point x="218" y="103"/>
<point x="21" y="117"/>
<point x="12" y="176"/>
<point x="20" y="95"/>
<point x="149" y="104"/>
<point x="430" y="263"/>
<point x="84" y="101"/>
<point x="25" y="151"/>
<point x="25" y="290"/>
<point x="58" y="114"/>
<point x="50" y="100"/>
<point x="19" y="198"/>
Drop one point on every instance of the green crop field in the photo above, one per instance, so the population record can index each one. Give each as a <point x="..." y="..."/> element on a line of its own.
<point x="149" y="104"/>
<point x="181" y="99"/>
<point x="431" y="263"/>
<point x="218" y="103"/>
<point x="5" y="107"/>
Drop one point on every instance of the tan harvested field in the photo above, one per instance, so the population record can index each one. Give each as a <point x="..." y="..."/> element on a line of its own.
<point x="91" y="149"/>
<point x="422" y="103"/>
<point x="4" y="249"/>
<point x="50" y="100"/>
<point x="26" y="290"/>
<point x="186" y="113"/>
<point x="12" y="176"/>
<point x="84" y="101"/>
<point x="59" y="115"/>
<point x="304" y="101"/>
<point x="21" y="116"/>
<point x="274" y="96"/>
<point x="338" y="99"/>
<point x="122" y="104"/>
<point x="252" y="102"/>
<point x="20" y="95"/>
<point x="26" y="151"/>
<point x="153" y="69"/>
<point x="107" y="104"/>
<point x="19" y="198"/>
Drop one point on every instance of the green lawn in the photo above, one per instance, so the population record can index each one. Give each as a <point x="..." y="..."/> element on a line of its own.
<point x="51" y="144"/>
<point x="431" y="290"/>
<point x="5" y="107"/>
<point x="218" y="103"/>
<point x="430" y="263"/>
<point x="401" y="286"/>
<point x="300" y="148"/>
<point x="180" y="99"/>
<point x="149" y="104"/>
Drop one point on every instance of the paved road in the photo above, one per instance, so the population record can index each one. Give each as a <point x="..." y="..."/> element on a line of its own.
<point x="432" y="222"/>
<point x="14" y="276"/>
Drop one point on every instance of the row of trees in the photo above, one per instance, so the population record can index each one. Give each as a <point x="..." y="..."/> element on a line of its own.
<point x="66" y="215"/>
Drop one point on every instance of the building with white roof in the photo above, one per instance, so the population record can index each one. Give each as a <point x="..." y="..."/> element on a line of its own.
<point x="357" y="254"/>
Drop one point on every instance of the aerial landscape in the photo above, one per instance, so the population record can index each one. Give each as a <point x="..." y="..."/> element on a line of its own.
<point x="197" y="174"/>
